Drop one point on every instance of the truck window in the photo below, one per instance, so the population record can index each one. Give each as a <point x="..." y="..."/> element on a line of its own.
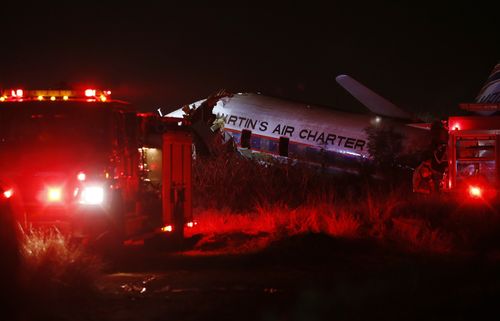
<point x="476" y="148"/>
<point x="476" y="158"/>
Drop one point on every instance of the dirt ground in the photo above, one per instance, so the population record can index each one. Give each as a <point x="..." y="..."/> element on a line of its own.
<point x="304" y="277"/>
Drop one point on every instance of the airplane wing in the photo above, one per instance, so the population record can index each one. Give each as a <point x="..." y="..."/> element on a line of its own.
<point x="376" y="103"/>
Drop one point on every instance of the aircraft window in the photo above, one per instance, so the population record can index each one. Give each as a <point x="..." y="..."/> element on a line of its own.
<point x="255" y="142"/>
<point x="245" y="138"/>
<point x="272" y="146"/>
<point x="283" y="146"/>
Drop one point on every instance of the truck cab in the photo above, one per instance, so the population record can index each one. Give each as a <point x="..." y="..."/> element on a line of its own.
<point x="74" y="157"/>
<point x="474" y="156"/>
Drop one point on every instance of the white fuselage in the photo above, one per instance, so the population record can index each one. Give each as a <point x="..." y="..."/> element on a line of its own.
<point x="308" y="130"/>
<point x="302" y="124"/>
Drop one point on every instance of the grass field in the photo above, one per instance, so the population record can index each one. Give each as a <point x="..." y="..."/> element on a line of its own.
<point x="233" y="195"/>
<point x="261" y="213"/>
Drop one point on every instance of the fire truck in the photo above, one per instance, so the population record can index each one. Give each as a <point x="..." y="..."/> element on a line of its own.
<point x="92" y="165"/>
<point x="474" y="153"/>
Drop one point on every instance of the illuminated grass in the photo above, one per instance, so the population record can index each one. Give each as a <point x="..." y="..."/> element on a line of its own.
<point x="279" y="221"/>
<point x="233" y="195"/>
<point x="55" y="269"/>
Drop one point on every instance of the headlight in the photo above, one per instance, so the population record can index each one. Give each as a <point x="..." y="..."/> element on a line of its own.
<point x="54" y="194"/>
<point x="8" y="193"/>
<point x="92" y="195"/>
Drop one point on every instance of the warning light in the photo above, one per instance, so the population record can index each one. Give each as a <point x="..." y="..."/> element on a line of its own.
<point x="40" y="98"/>
<point x="8" y="193"/>
<point x="2" y="98"/>
<point x="54" y="194"/>
<point x="475" y="191"/>
<point x="81" y="176"/>
<point x="65" y="97"/>
<point x="103" y="98"/>
<point x="456" y="127"/>
<point x="89" y="92"/>
<point x="17" y="93"/>
<point x="52" y="98"/>
<point x="191" y="224"/>
<point x="167" y="228"/>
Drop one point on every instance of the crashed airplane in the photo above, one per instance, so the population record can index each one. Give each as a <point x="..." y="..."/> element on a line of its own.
<point x="263" y="125"/>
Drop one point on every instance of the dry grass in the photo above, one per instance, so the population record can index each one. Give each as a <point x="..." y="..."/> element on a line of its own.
<point x="279" y="221"/>
<point x="55" y="269"/>
<point x="234" y="195"/>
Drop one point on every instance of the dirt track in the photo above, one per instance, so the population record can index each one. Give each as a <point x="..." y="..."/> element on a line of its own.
<point x="311" y="277"/>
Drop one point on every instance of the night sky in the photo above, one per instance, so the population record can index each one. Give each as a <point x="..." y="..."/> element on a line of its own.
<point x="424" y="58"/>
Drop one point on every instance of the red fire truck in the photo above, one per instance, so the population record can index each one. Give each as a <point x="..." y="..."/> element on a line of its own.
<point x="89" y="164"/>
<point x="474" y="154"/>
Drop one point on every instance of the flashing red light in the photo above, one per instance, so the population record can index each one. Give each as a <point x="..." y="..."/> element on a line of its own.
<point x="81" y="176"/>
<point x="54" y="194"/>
<point x="475" y="191"/>
<point x="8" y="193"/>
<point x="167" y="228"/>
<point x="90" y="92"/>
<point x="456" y="127"/>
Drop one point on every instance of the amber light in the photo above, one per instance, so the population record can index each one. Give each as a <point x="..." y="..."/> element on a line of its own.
<point x="167" y="228"/>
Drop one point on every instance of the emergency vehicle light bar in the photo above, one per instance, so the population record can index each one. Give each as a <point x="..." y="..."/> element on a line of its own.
<point x="22" y="95"/>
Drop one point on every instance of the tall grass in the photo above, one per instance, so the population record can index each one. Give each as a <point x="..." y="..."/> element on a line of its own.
<point x="233" y="182"/>
<point x="55" y="269"/>
<point x="234" y="195"/>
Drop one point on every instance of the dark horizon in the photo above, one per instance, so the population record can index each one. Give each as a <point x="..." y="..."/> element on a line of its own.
<point x="422" y="58"/>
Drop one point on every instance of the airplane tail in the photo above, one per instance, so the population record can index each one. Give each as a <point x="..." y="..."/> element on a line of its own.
<point x="490" y="93"/>
<point x="376" y="103"/>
